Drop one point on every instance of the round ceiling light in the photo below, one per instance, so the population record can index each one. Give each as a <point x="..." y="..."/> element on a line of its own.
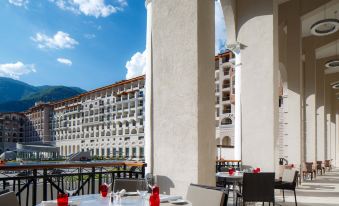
<point x="325" y="27"/>
<point x="332" y="64"/>
<point x="335" y="86"/>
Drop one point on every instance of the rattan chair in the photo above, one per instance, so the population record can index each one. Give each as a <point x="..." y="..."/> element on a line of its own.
<point x="328" y="165"/>
<point x="320" y="167"/>
<point x="257" y="188"/>
<point x="309" y="170"/>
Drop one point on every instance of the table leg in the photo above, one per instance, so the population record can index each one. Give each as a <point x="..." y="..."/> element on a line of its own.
<point x="234" y="193"/>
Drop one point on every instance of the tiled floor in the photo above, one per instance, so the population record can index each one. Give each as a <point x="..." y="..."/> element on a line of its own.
<point x="323" y="191"/>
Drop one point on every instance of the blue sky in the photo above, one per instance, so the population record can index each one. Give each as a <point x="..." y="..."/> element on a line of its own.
<point x="84" y="43"/>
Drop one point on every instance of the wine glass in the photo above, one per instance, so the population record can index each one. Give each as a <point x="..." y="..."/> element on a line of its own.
<point x="142" y="188"/>
<point x="71" y="190"/>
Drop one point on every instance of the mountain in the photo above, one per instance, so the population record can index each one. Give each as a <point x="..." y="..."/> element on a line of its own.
<point x="12" y="90"/>
<point x="17" y="96"/>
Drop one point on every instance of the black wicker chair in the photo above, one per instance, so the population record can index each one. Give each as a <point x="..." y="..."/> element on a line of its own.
<point x="257" y="188"/>
<point x="288" y="182"/>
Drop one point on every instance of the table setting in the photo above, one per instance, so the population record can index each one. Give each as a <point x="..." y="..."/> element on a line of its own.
<point x="119" y="198"/>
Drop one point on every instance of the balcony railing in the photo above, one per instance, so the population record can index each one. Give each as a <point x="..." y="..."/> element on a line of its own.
<point x="29" y="181"/>
<point x="227" y="163"/>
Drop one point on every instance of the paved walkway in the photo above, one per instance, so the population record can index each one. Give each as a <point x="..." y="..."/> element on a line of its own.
<point x="323" y="191"/>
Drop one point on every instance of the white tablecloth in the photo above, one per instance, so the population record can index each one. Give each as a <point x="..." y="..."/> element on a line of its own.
<point x="97" y="200"/>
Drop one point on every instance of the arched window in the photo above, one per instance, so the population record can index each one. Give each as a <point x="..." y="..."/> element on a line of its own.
<point x="226" y="83"/>
<point x="226" y="121"/>
<point x="226" y="141"/>
<point x="227" y="70"/>
<point x="134" y="131"/>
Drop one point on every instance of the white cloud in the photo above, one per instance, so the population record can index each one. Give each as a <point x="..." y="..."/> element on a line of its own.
<point x="65" y="61"/>
<point x="60" y="40"/>
<point x="136" y="65"/>
<point x="96" y="8"/>
<point x="15" y="70"/>
<point x="18" y="2"/>
<point x="220" y="28"/>
<point x="89" y="36"/>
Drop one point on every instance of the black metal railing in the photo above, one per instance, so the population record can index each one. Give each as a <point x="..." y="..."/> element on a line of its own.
<point x="228" y="164"/>
<point x="35" y="183"/>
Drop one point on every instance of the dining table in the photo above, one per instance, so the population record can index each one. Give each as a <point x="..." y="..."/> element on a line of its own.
<point x="129" y="200"/>
<point x="234" y="178"/>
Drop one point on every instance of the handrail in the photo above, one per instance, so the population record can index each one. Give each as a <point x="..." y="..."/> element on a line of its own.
<point x="87" y="176"/>
<point x="70" y="165"/>
<point x="228" y="161"/>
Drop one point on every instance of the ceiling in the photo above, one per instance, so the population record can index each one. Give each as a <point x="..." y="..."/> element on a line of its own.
<point x="323" y="12"/>
<point x="327" y="50"/>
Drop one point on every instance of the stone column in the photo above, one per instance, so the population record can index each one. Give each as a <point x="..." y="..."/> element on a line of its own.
<point x="148" y="92"/>
<point x="183" y="94"/>
<point x="257" y="28"/>
<point x="336" y="162"/>
<point x="293" y="67"/>
<point x="310" y="111"/>
<point x="333" y="127"/>
<point x="327" y="120"/>
<point x="237" y="112"/>
<point x="320" y="111"/>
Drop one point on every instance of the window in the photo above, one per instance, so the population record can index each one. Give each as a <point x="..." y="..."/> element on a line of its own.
<point x="126" y="152"/>
<point x="227" y="109"/>
<point x="141" y="152"/>
<point x="226" y="141"/>
<point x="134" y="152"/>
<point x="226" y="121"/>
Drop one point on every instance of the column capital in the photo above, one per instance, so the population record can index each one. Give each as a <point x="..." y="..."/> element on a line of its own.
<point x="147" y="2"/>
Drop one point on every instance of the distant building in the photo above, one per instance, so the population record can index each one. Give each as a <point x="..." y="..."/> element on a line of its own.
<point x="12" y="127"/>
<point x="224" y="103"/>
<point x="38" y="123"/>
<point x="107" y="121"/>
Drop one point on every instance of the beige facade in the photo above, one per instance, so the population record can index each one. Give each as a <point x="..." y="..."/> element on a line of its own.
<point x="38" y="125"/>
<point x="107" y="121"/>
<point x="225" y="108"/>
<point x="12" y="128"/>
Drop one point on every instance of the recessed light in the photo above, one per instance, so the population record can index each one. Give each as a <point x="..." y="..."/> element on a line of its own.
<point x="335" y="86"/>
<point x="332" y="64"/>
<point x="325" y="27"/>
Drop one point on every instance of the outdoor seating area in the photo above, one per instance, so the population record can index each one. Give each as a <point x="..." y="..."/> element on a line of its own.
<point x="280" y="189"/>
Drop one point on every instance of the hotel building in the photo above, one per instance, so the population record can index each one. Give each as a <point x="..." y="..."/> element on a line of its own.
<point x="12" y="127"/>
<point x="107" y="121"/>
<point x="225" y="100"/>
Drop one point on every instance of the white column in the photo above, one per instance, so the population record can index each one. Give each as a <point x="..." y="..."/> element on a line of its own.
<point x="327" y="120"/>
<point x="293" y="67"/>
<point x="237" y="127"/>
<point x="336" y="158"/>
<point x="258" y="34"/>
<point x="148" y="92"/>
<point x="320" y="112"/>
<point x="333" y="128"/>
<point x="310" y="112"/>
<point x="183" y="94"/>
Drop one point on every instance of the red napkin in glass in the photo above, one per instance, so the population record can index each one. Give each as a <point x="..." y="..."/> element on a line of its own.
<point x="103" y="190"/>
<point x="62" y="199"/>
